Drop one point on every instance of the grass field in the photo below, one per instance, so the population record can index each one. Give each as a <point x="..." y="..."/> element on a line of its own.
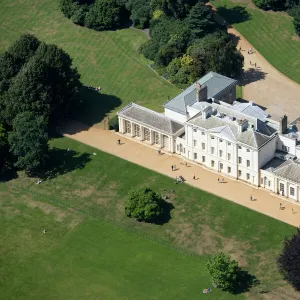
<point x="106" y="59"/>
<point x="272" y="34"/>
<point x="82" y="255"/>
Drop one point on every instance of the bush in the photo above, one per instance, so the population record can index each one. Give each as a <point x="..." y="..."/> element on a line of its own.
<point x="289" y="260"/>
<point x="223" y="270"/>
<point x="113" y="123"/>
<point x="144" y="205"/>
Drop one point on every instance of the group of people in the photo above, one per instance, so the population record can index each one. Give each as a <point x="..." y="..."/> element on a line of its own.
<point x="179" y="179"/>
<point x="98" y="89"/>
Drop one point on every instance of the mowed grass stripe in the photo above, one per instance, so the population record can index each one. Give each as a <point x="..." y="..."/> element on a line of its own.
<point x="272" y="34"/>
<point x="106" y="59"/>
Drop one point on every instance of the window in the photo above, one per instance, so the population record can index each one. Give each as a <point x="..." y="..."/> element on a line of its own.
<point x="229" y="144"/>
<point x="203" y="146"/>
<point x="195" y="156"/>
<point x="195" y="129"/>
<point x="248" y="150"/>
<point x="221" y="166"/>
<point x="202" y="133"/>
<point x="285" y="148"/>
<point x="178" y="148"/>
<point x="281" y="187"/>
<point x="228" y="156"/>
<point x="240" y="160"/>
<point x="292" y="191"/>
<point x="269" y="183"/>
<point x="248" y="176"/>
<point x="229" y="170"/>
<point x="240" y="173"/>
<point x="221" y="140"/>
<point x="137" y="130"/>
<point x="212" y="163"/>
<point x="248" y="163"/>
<point x="128" y="126"/>
<point x="212" y="137"/>
<point x="221" y="153"/>
<point x="203" y="159"/>
<point x="262" y="181"/>
<point x="156" y="137"/>
<point x="195" y="143"/>
<point x="212" y="150"/>
<point x="240" y="147"/>
<point x="184" y="150"/>
<point x="188" y="153"/>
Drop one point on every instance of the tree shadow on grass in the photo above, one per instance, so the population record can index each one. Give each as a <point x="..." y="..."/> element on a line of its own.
<point x="252" y="75"/>
<point x="244" y="282"/>
<point x="166" y="217"/>
<point x="95" y="106"/>
<point x="234" y="15"/>
<point x="62" y="161"/>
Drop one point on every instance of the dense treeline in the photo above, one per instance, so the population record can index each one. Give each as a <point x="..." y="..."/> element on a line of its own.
<point x="185" y="42"/>
<point x="291" y="6"/>
<point x="38" y="88"/>
<point x="185" y="49"/>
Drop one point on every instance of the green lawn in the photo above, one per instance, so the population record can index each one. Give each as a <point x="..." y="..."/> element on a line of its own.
<point x="92" y="250"/>
<point x="272" y="34"/>
<point x="106" y="59"/>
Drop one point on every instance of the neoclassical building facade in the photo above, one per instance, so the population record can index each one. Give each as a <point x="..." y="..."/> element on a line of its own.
<point x="205" y="124"/>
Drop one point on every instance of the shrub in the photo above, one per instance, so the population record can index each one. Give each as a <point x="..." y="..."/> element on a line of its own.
<point x="144" y="205"/>
<point x="223" y="270"/>
<point x="289" y="260"/>
<point x="113" y="123"/>
<point x="269" y="4"/>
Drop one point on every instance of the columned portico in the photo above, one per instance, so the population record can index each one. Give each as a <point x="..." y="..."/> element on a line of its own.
<point x="149" y="126"/>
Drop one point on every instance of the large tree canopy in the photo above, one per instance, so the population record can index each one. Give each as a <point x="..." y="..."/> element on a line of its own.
<point x="37" y="81"/>
<point x="289" y="260"/>
<point x="28" y="141"/>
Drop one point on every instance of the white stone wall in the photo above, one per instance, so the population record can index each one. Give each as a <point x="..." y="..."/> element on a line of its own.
<point x="175" y="116"/>
<point x="283" y="142"/>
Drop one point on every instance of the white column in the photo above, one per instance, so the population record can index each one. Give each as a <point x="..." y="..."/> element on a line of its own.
<point x="171" y="144"/>
<point x="161" y="141"/>
<point x="151" y="137"/>
<point x="121" y="125"/>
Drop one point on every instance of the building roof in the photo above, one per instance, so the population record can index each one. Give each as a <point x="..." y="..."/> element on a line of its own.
<point x="251" y="109"/>
<point x="290" y="170"/>
<point x="273" y="164"/>
<point x="150" y="118"/>
<point x="215" y="84"/>
<point x="228" y="129"/>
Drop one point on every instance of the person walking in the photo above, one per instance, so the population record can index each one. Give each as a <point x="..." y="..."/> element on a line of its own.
<point x="172" y="168"/>
<point x="251" y="198"/>
<point x="119" y="142"/>
<point x="194" y="177"/>
<point x="280" y="206"/>
<point x="218" y="180"/>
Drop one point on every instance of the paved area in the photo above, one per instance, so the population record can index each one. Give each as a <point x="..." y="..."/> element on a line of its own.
<point x="264" y="84"/>
<point x="147" y="157"/>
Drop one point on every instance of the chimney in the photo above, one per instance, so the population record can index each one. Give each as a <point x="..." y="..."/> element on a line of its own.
<point x="198" y="88"/>
<point x="283" y="124"/>
<point x="242" y="125"/>
<point x="206" y="113"/>
<point x="203" y="93"/>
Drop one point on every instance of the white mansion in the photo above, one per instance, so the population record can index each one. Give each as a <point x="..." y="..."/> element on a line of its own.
<point x="206" y="124"/>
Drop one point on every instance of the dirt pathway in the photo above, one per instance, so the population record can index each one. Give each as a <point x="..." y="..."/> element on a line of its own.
<point x="264" y="84"/>
<point x="147" y="157"/>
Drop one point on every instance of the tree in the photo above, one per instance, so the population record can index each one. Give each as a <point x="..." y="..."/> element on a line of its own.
<point x="216" y="52"/>
<point x="176" y="8"/>
<point x="140" y="12"/>
<point x="47" y="85"/>
<point x="28" y="142"/>
<point x="113" y="123"/>
<point x="223" y="270"/>
<point x="3" y="146"/>
<point x="9" y="66"/>
<point x="144" y="205"/>
<point x="24" y="47"/>
<point x="296" y="12"/>
<point x="269" y="4"/>
<point x="200" y="20"/>
<point x="289" y="260"/>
